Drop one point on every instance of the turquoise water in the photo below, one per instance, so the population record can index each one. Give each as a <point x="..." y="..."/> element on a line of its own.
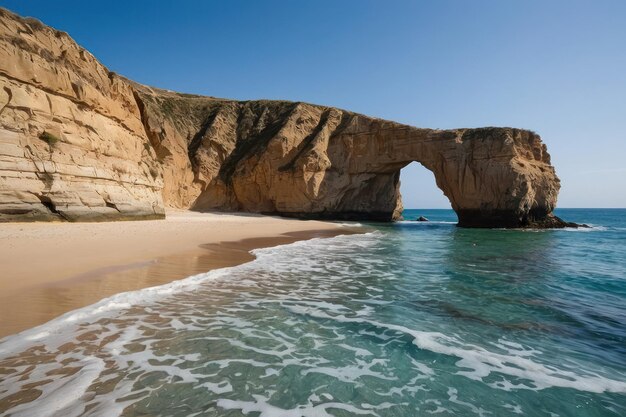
<point x="410" y="319"/>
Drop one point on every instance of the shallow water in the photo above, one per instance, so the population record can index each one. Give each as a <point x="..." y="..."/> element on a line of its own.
<point x="409" y="319"/>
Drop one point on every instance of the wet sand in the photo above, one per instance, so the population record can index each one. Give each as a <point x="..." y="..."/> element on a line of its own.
<point x="48" y="269"/>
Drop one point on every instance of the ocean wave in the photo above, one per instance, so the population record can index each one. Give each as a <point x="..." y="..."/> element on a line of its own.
<point x="591" y="228"/>
<point x="348" y="224"/>
<point x="482" y="362"/>
<point x="115" y="323"/>
<point x="60" y="396"/>
<point x="317" y="327"/>
<point x="57" y="330"/>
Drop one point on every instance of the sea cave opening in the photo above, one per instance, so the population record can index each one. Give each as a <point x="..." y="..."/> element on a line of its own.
<point x="421" y="196"/>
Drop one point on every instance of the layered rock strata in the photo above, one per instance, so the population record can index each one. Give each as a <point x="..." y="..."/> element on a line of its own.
<point x="72" y="144"/>
<point x="78" y="142"/>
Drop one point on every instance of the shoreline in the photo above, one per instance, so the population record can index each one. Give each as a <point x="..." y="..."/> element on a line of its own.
<point x="40" y="280"/>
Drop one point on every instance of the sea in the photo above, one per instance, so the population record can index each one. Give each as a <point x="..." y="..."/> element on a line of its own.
<point x="404" y="319"/>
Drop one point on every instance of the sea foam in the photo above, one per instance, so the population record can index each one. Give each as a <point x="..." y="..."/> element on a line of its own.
<point x="482" y="362"/>
<point x="385" y="323"/>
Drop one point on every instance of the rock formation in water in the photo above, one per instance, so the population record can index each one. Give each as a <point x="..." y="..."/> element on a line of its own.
<point x="78" y="142"/>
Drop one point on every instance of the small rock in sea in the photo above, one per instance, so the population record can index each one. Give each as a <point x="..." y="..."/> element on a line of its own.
<point x="422" y="219"/>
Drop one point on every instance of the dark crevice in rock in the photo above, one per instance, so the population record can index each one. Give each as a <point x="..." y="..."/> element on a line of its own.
<point x="346" y="119"/>
<point x="196" y="141"/>
<point x="47" y="178"/>
<point x="142" y="114"/>
<point x="10" y="94"/>
<point x="305" y="145"/>
<point x="111" y="205"/>
<point x="249" y="143"/>
<point x="49" y="204"/>
<point x="15" y="211"/>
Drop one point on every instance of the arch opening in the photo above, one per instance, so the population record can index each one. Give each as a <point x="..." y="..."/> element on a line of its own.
<point x="420" y="194"/>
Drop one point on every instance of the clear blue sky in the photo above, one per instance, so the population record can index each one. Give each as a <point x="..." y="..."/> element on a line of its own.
<point x="557" y="67"/>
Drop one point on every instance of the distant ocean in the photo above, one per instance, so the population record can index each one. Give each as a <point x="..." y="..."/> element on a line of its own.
<point x="409" y="319"/>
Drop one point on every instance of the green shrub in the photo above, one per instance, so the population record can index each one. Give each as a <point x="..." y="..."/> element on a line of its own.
<point x="49" y="138"/>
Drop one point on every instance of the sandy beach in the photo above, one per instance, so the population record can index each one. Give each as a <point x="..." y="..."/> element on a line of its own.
<point x="52" y="268"/>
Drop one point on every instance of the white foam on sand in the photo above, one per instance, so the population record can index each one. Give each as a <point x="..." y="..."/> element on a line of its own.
<point x="516" y="366"/>
<point x="57" y="331"/>
<point x="349" y="224"/>
<point x="62" y="394"/>
<point x="69" y="394"/>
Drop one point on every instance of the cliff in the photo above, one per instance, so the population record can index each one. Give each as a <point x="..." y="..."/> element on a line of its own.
<point x="78" y="142"/>
<point x="72" y="145"/>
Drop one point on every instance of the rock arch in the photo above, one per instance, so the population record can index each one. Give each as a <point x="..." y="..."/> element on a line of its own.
<point x="307" y="161"/>
<point x="122" y="150"/>
<point x="493" y="177"/>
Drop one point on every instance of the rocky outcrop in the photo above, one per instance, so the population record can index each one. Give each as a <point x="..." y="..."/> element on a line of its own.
<point x="301" y="160"/>
<point x="72" y="144"/>
<point x="78" y="142"/>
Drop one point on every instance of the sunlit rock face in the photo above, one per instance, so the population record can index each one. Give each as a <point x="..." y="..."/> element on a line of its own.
<point x="309" y="161"/>
<point x="72" y="145"/>
<point x="80" y="143"/>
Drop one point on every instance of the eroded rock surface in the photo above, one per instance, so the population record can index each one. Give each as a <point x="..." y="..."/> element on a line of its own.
<point x="72" y="144"/>
<point x="125" y="150"/>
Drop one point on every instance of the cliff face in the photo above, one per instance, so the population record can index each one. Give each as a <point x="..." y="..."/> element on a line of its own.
<point x="72" y="145"/>
<point x="310" y="161"/>
<point x="125" y="150"/>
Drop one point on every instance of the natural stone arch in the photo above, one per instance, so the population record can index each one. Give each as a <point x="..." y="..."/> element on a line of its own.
<point x="492" y="176"/>
<point x="317" y="162"/>
<point x="125" y="151"/>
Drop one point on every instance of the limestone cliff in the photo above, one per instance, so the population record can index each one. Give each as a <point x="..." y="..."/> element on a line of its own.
<point x="72" y="145"/>
<point x="78" y="142"/>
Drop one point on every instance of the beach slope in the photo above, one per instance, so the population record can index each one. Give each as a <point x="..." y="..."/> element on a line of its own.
<point x="52" y="268"/>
